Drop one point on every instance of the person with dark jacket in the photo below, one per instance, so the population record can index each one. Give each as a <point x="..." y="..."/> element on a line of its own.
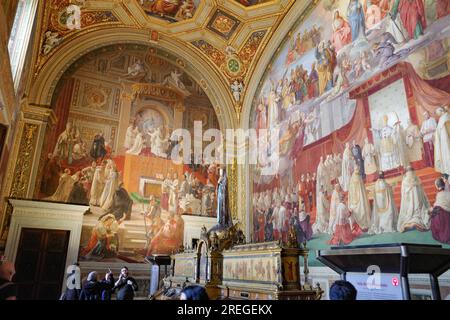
<point x="342" y="290"/>
<point x="194" y="292"/>
<point x="97" y="290"/>
<point x="126" y="285"/>
<point x="71" y="294"/>
<point x="8" y="290"/>
<point x="91" y="288"/>
<point x="107" y="286"/>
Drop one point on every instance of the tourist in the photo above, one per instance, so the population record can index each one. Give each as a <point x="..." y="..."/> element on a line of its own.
<point x="8" y="290"/>
<point x="342" y="290"/>
<point x="91" y="288"/>
<point x="194" y="293"/>
<point x="126" y="285"/>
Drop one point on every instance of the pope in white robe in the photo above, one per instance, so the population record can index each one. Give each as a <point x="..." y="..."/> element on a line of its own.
<point x="98" y="183"/>
<point x="338" y="162"/>
<point x="130" y="136"/>
<point x="139" y="144"/>
<point x="329" y="172"/>
<point x="388" y="154"/>
<point x="281" y="220"/>
<point x="320" y="176"/>
<point x="173" y="195"/>
<point x="323" y="213"/>
<point x="348" y="165"/>
<point x="369" y="154"/>
<point x="333" y="205"/>
<point x="414" y="206"/>
<point x="413" y="142"/>
<point x="273" y="110"/>
<point x="384" y="211"/>
<point x="400" y="144"/>
<point x="442" y="142"/>
<point x="111" y="184"/>
<point x="358" y="201"/>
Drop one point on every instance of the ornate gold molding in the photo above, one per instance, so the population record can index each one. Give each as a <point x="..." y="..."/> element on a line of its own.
<point x="233" y="191"/>
<point x="24" y="162"/>
<point x="37" y="112"/>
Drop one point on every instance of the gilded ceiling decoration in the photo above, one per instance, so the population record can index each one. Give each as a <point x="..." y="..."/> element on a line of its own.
<point x="228" y="34"/>
<point x="223" y="24"/>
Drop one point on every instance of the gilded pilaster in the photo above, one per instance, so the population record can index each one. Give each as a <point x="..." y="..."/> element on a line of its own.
<point x="24" y="162"/>
<point x="233" y="192"/>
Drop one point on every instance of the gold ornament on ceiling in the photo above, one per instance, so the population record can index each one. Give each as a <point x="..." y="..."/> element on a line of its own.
<point x="223" y="24"/>
<point x="210" y="26"/>
<point x="170" y="10"/>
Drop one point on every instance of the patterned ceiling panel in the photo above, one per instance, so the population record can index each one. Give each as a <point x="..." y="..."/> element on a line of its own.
<point x="229" y="34"/>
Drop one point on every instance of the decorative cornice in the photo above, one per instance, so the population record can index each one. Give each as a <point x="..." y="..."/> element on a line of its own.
<point x="25" y="206"/>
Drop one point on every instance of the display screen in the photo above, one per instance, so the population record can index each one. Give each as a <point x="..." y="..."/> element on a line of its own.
<point x="384" y="286"/>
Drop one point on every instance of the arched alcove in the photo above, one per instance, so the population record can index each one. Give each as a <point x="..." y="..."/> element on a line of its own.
<point x="96" y="86"/>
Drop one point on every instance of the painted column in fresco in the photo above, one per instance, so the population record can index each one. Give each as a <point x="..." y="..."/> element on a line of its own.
<point x="125" y="112"/>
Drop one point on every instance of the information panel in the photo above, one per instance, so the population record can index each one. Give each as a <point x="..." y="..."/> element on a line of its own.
<point x="384" y="286"/>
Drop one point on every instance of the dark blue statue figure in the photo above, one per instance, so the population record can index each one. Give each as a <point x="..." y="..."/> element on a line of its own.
<point x="223" y="212"/>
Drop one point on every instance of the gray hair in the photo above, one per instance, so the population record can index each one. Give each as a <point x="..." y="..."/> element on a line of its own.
<point x="92" y="276"/>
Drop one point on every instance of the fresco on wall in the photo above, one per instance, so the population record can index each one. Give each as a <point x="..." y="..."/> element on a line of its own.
<point x="111" y="148"/>
<point x="360" y="94"/>
<point x="170" y="10"/>
<point x="249" y="3"/>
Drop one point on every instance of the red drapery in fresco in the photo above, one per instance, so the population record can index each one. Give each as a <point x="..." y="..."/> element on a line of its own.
<point x="441" y="84"/>
<point x="427" y="97"/>
<point x="62" y="109"/>
<point x="308" y="159"/>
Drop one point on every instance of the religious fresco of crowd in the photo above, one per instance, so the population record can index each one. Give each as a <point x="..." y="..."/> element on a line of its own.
<point x="121" y="168"/>
<point x="170" y="10"/>
<point x="364" y="127"/>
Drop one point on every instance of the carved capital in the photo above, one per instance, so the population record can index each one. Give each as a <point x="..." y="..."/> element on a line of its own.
<point x="37" y="112"/>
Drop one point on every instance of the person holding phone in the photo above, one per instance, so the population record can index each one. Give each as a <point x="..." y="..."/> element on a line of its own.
<point x="126" y="285"/>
